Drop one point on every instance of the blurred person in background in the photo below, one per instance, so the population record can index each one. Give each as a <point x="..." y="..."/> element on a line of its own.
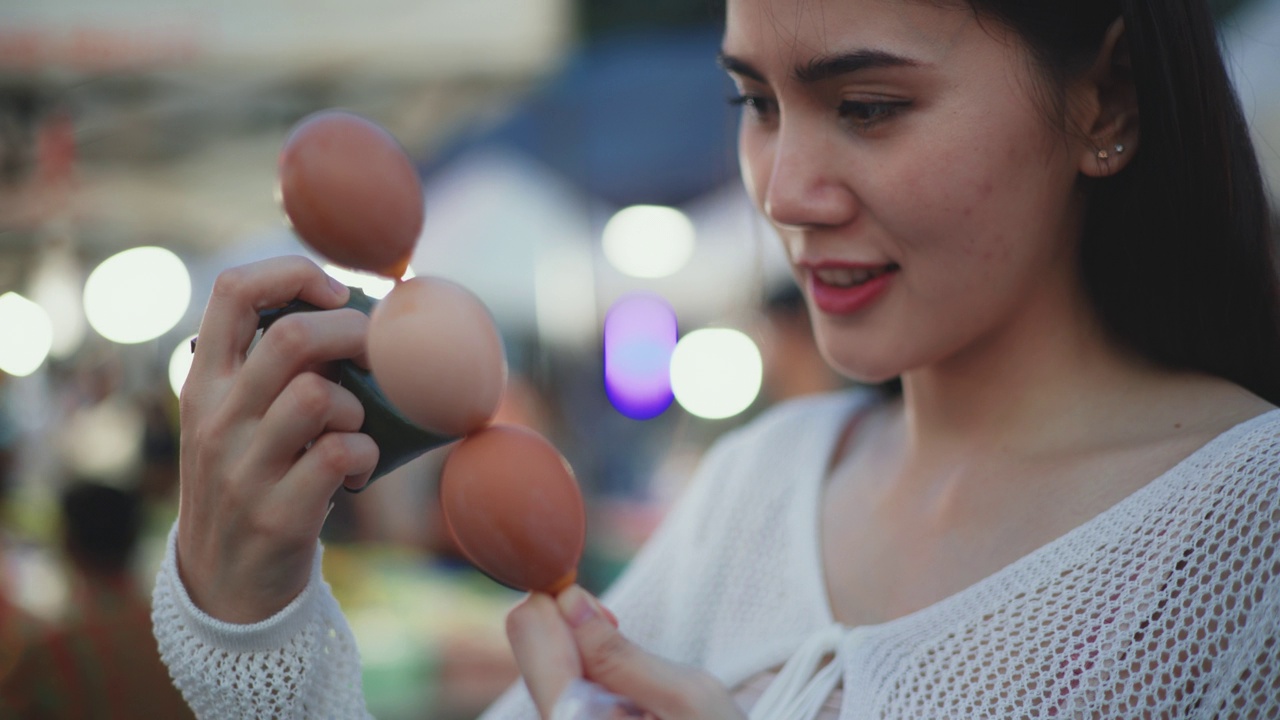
<point x="100" y="659"/>
<point x="1047" y="220"/>
<point x="793" y="365"/>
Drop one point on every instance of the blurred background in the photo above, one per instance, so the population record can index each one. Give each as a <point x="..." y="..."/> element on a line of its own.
<point x="578" y="164"/>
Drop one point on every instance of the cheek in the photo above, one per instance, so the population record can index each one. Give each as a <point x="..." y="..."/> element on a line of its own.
<point x="947" y="204"/>
<point x="979" y="199"/>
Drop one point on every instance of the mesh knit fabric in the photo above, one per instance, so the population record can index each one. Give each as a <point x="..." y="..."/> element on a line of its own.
<point x="1167" y="605"/>
<point x="301" y="663"/>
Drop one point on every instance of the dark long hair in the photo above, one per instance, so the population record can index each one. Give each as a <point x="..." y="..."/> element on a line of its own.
<point x="1177" y="250"/>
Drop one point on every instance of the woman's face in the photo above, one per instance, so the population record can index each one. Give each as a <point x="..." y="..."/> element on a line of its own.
<point x="900" y="148"/>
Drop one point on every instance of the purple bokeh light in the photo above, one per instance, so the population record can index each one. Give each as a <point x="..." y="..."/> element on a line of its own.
<point x="640" y="334"/>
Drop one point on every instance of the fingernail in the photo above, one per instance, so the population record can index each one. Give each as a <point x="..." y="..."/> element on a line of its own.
<point x="578" y="606"/>
<point x="338" y="287"/>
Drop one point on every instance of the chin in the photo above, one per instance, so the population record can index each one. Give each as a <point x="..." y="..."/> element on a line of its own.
<point x="864" y="370"/>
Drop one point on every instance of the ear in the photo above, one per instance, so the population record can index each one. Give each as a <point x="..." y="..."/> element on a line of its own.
<point x="1107" y="108"/>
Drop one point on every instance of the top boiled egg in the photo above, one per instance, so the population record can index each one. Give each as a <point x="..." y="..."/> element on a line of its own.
<point x="351" y="192"/>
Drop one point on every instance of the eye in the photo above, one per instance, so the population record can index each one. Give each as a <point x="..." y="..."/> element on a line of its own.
<point x="863" y="114"/>
<point x="758" y="106"/>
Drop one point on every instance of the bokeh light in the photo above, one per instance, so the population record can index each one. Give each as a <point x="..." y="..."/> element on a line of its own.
<point x="639" y="335"/>
<point x="180" y="364"/>
<point x="648" y="241"/>
<point x="56" y="287"/>
<point x="27" y="335"/>
<point x="716" y="372"/>
<point x="375" y="286"/>
<point x="137" y="295"/>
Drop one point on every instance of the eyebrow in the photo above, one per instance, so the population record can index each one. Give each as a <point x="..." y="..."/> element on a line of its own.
<point x="824" y="67"/>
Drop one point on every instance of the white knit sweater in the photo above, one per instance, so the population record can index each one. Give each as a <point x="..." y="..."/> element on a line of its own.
<point x="1165" y="605"/>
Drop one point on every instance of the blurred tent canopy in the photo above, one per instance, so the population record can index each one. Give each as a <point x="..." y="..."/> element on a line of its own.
<point x="635" y="117"/>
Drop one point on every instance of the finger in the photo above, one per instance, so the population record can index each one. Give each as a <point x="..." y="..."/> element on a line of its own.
<point x="309" y="406"/>
<point x="292" y="346"/>
<point x="231" y="317"/>
<point x="305" y="490"/>
<point x="544" y="648"/>
<point x="669" y="690"/>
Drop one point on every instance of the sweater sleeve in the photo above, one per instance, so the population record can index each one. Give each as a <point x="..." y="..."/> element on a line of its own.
<point x="300" y="663"/>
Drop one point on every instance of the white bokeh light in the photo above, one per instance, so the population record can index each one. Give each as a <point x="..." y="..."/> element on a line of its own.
<point x="56" y="287"/>
<point x="137" y="295"/>
<point x="180" y="365"/>
<point x="716" y="372"/>
<point x="648" y="241"/>
<point x="28" y="335"/>
<point x="375" y="286"/>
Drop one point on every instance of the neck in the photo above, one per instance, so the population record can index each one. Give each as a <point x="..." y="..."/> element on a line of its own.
<point x="1044" y="382"/>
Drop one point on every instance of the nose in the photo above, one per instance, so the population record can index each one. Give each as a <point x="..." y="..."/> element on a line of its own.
<point x="808" y="184"/>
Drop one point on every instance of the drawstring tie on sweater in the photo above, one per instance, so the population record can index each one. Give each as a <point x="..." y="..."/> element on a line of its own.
<point x="805" y="682"/>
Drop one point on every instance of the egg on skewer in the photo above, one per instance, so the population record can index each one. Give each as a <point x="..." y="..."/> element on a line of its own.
<point x="512" y="506"/>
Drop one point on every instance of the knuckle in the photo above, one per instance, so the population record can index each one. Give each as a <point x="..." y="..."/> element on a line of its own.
<point x="350" y="410"/>
<point x="333" y="454"/>
<point x="231" y="283"/>
<point x="310" y="394"/>
<point x="290" y="336"/>
<point x="610" y="655"/>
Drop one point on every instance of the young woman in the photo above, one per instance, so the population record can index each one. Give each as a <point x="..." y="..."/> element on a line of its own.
<point x="1046" y="220"/>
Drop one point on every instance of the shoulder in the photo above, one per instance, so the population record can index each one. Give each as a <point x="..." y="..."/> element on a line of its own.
<point x="1250" y="448"/>
<point x="1222" y="499"/>
<point x="802" y="417"/>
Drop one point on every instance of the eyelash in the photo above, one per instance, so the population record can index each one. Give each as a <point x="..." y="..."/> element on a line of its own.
<point x="757" y="104"/>
<point x="860" y="114"/>
<point x="868" y="114"/>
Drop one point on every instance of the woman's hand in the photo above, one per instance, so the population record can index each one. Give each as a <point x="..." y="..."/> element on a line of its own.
<point x="266" y="438"/>
<point x="557" y="640"/>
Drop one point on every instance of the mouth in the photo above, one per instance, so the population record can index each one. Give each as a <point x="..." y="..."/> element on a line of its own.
<point x="848" y="277"/>
<point x="848" y="289"/>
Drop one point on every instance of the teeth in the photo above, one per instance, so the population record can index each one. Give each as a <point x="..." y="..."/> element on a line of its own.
<point x="847" y="277"/>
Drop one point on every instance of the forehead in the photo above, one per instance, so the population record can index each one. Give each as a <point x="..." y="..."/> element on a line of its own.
<point x="792" y="31"/>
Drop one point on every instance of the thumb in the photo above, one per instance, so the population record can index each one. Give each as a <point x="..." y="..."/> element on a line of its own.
<point x="669" y="690"/>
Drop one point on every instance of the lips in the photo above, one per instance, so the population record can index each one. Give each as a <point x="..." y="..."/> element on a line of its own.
<point x="850" y="276"/>
<point x="844" y="289"/>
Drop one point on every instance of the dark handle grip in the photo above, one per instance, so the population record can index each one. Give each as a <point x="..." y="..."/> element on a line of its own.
<point x="399" y="440"/>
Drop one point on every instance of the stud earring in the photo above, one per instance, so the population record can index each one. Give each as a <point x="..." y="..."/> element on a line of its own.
<point x="1103" y="153"/>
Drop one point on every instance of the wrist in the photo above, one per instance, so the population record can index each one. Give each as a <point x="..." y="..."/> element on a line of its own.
<point x="262" y="634"/>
